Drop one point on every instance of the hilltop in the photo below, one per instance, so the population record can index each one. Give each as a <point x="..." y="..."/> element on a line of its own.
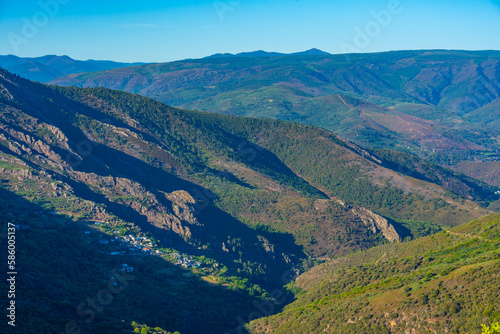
<point x="261" y="53"/>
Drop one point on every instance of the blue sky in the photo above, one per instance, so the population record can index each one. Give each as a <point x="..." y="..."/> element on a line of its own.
<point x="166" y="30"/>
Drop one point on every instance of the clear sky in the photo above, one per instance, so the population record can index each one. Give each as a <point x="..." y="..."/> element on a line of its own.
<point x="166" y="30"/>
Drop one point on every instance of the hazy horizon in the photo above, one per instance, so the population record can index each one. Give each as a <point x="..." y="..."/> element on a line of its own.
<point x="249" y="51"/>
<point x="151" y="31"/>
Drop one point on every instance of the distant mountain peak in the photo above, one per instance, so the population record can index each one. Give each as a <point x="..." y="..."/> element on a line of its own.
<point x="262" y="53"/>
<point x="313" y="52"/>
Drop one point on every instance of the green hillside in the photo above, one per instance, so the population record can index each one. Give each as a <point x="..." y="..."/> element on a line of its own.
<point x="340" y="168"/>
<point x="488" y="171"/>
<point x="488" y="114"/>
<point x="445" y="283"/>
<point x="226" y="205"/>
<point x="429" y="103"/>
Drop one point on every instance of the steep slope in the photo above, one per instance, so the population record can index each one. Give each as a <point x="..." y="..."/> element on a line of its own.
<point x="445" y="283"/>
<point x="80" y="164"/>
<point x="285" y="150"/>
<point x="243" y="165"/>
<point x="467" y="187"/>
<point x="489" y="114"/>
<point x="47" y="68"/>
<point x="70" y="280"/>
<point x="241" y="202"/>
<point x="408" y="100"/>
<point x="488" y="171"/>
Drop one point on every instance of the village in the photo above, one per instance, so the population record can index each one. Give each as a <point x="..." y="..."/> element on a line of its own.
<point x="138" y="245"/>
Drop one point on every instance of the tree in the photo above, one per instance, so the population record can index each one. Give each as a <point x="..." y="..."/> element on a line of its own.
<point x="493" y="329"/>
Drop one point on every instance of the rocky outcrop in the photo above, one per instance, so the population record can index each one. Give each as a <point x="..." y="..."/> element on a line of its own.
<point x="183" y="206"/>
<point x="22" y="143"/>
<point x="59" y="135"/>
<point x="137" y="197"/>
<point x="167" y="221"/>
<point x="4" y="92"/>
<point x="377" y="223"/>
<point x="37" y="142"/>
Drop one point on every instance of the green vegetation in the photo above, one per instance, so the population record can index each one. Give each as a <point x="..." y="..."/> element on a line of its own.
<point x="211" y="210"/>
<point x="444" y="282"/>
<point x="488" y="171"/>
<point x="8" y="165"/>
<point x="144" y="329"/>
<point x="382" y="100"/>
<point x="61" y="268"/>
<point x="493" y="329"/>
<point x="282" y="151"/>
<point x="423" y="170"/>
<point x="262" y="173"/>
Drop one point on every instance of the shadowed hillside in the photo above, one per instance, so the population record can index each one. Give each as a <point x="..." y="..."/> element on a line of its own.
<point x="425" y="102"/>
<point x="242" y="205"/>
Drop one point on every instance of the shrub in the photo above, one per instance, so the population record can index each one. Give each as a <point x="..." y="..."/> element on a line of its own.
<point x="493" y="329"/>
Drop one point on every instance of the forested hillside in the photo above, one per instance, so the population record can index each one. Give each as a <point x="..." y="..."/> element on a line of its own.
<point x="442" y="105"/>
<point x="196" y="203"/>
<point x="445" y="283"/>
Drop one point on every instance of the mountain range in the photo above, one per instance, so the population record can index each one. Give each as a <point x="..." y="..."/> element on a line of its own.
<point x="265" y="54"/>
<point x="50" y="67"/>
<point x="47" y="68"/>
<point x="437" y="104"/>
<point x="201" y="221"/>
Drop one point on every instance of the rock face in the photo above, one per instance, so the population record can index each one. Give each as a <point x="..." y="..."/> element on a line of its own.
<point x="46" y="146"/>
<point x="183" y="206"/>
<point x="377" y="223"/>
<point x="144" y="202"/>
